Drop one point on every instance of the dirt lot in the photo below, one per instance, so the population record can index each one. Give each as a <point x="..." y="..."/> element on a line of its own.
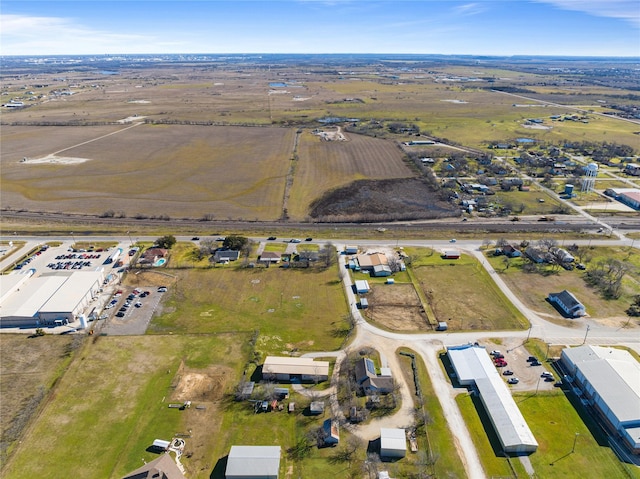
<point x="396" y="307"/>
<point x="204" y="387"/>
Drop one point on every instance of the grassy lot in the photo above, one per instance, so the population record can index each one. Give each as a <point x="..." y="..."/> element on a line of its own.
<point x="115" y="397"/>
<point x="533" y="288"/>
<point x="291" y="308"/>
<point x="527" y="201"/>
<point x="24" y="383"/>
<point x="436" y="436"/>
<point x="554" y="423"/>
<point x="478" y="304"/>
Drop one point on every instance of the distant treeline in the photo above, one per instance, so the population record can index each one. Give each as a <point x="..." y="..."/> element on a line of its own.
<point x="60" y="123"/>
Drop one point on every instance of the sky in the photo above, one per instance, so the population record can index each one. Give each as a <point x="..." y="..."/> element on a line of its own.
<point x="481" y="27"/>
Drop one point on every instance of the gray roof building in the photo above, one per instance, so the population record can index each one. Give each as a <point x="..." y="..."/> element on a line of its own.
<point x="609" y="380"/>
<point x="164" y="467"/>
<point x="568" y="303"/>
<point x="253" y="462"/>
<point x="473" y="367"/>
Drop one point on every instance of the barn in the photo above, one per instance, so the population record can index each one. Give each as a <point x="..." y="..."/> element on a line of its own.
<point x="288" y="368"/>
<point x="253" y="462"/>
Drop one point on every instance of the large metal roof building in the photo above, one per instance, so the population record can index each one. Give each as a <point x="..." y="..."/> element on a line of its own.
<point x="473" y="367"/>
<point x="48" y="299"/>
<point x="609" y="380"/>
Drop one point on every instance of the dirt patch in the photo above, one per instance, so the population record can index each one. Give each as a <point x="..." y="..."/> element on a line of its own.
<point x="396" y="307"/>
<point x="373" y="200"/>
<point x="202" y="385"/>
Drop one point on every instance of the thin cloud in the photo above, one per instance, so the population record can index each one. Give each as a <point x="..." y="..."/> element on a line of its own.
<point x="22" y="34"/>
<point x="628" y="10"/>
<point x="468" y="9"/>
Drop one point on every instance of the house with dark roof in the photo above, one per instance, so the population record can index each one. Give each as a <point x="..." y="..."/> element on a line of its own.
<point x="164" y="467"/>
<point x="378" y="385"/>
<point x="225" y="255"/>
<point x="536" y="255"/>
<point x="568" y="303"/>
<point x="269" y="257"/>
<point x="365" y="369"/>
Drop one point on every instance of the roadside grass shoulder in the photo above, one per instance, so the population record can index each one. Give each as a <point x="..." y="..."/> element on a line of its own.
<point x="435" y="437"/>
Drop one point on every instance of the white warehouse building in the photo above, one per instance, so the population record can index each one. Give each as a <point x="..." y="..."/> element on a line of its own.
<point x="473" y="367"/>
<point x="47" y="300"/>
<point x="609" y="380"/>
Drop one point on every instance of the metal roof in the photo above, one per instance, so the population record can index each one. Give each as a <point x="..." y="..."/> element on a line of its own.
<point x="27" y="301"/>
<point x="253" y="461"/>
<point x="72" y="291"/>
<point x="473" y="365"/>
<point x="393" y="439"/>
<point x="289" y="365"/>
<point x="615" y="376"/>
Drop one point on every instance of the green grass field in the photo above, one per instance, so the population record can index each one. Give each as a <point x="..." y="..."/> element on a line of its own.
<point x="554" y="423"/>
<point x="291" y="308"/>
<point x="478" y="304"/>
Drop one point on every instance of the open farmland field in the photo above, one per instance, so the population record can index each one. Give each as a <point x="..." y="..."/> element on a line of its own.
<point x="115" y="396"/>
<point x="24" y="382"/>
<point x="185" y="171"/>
<point x="325" y="165"/>
<point x="476" y="303"/>
<point x="289" y="308"/>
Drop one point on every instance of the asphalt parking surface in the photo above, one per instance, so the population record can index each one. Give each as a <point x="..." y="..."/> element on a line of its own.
<point x="135" y="320"/>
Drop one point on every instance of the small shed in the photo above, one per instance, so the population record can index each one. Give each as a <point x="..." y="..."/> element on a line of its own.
<point x="316" y="407"/>
<point x="381" y="270"/>
<point x="281" y="393"/>
<point x="393" y="443"/>
<point x="364" y="304"/>
<point x="362" y="286"/>
<point x="390" y="281"/>
<point x="350" y="249"/>
<point x="161" y="444"/>
<point x="450" y="254"/>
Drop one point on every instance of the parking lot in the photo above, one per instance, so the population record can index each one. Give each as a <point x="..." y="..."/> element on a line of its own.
<point x="529" y="373"/>
<point x="130" y="310"/>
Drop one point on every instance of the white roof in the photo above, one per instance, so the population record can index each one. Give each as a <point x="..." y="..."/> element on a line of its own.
<point x="72" y="291"/>
<point x="29" y="299"/>
<point x="294" y="365"/>
<point x="9" y="283"/>
<point x="393" y="439"/>
<point x="473" y="365"/>
<point x="614" y="374"/>
<point x="362" y="284"/>
<point x="253" y="461"/>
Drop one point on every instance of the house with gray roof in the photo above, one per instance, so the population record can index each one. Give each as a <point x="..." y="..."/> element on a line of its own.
<point x="568" y="303"/>
<point x="164" y="467"/>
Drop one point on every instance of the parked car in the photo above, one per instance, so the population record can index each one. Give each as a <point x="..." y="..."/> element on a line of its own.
<point x="507" y="372"/>
<point x="581" y="266"/>
<point x="120" y="314"/>
<point x="295" y="240"/>
<point x="513" y="380"/>
<point x="536" y="363"/>
<point x="495" y="352"/>
<point x="546" y="374"/>
<point x="271" y="238"/>
<point x="309" y="239"/>
<point x="162" y="289"/>
<point x="531" y="358"/>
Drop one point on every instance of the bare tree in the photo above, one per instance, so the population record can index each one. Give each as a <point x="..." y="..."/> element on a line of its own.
<point x="547" y="244"/>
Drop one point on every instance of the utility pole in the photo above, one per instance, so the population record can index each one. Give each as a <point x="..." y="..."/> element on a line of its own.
<point x="575" y="439"/>
<point x="585" y="334"/>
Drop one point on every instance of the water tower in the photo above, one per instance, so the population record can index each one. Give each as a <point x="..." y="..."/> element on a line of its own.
<point x="591" y="171"/>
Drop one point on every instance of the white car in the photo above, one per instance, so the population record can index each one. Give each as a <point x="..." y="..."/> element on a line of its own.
<point x="513" y="380"/>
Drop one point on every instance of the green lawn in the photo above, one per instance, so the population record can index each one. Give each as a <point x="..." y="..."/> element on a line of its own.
<point x="462" y="293"/>
<point x="112" y="403"/>
<point x="554" y="423"/>
<point x="291" y="308"/>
